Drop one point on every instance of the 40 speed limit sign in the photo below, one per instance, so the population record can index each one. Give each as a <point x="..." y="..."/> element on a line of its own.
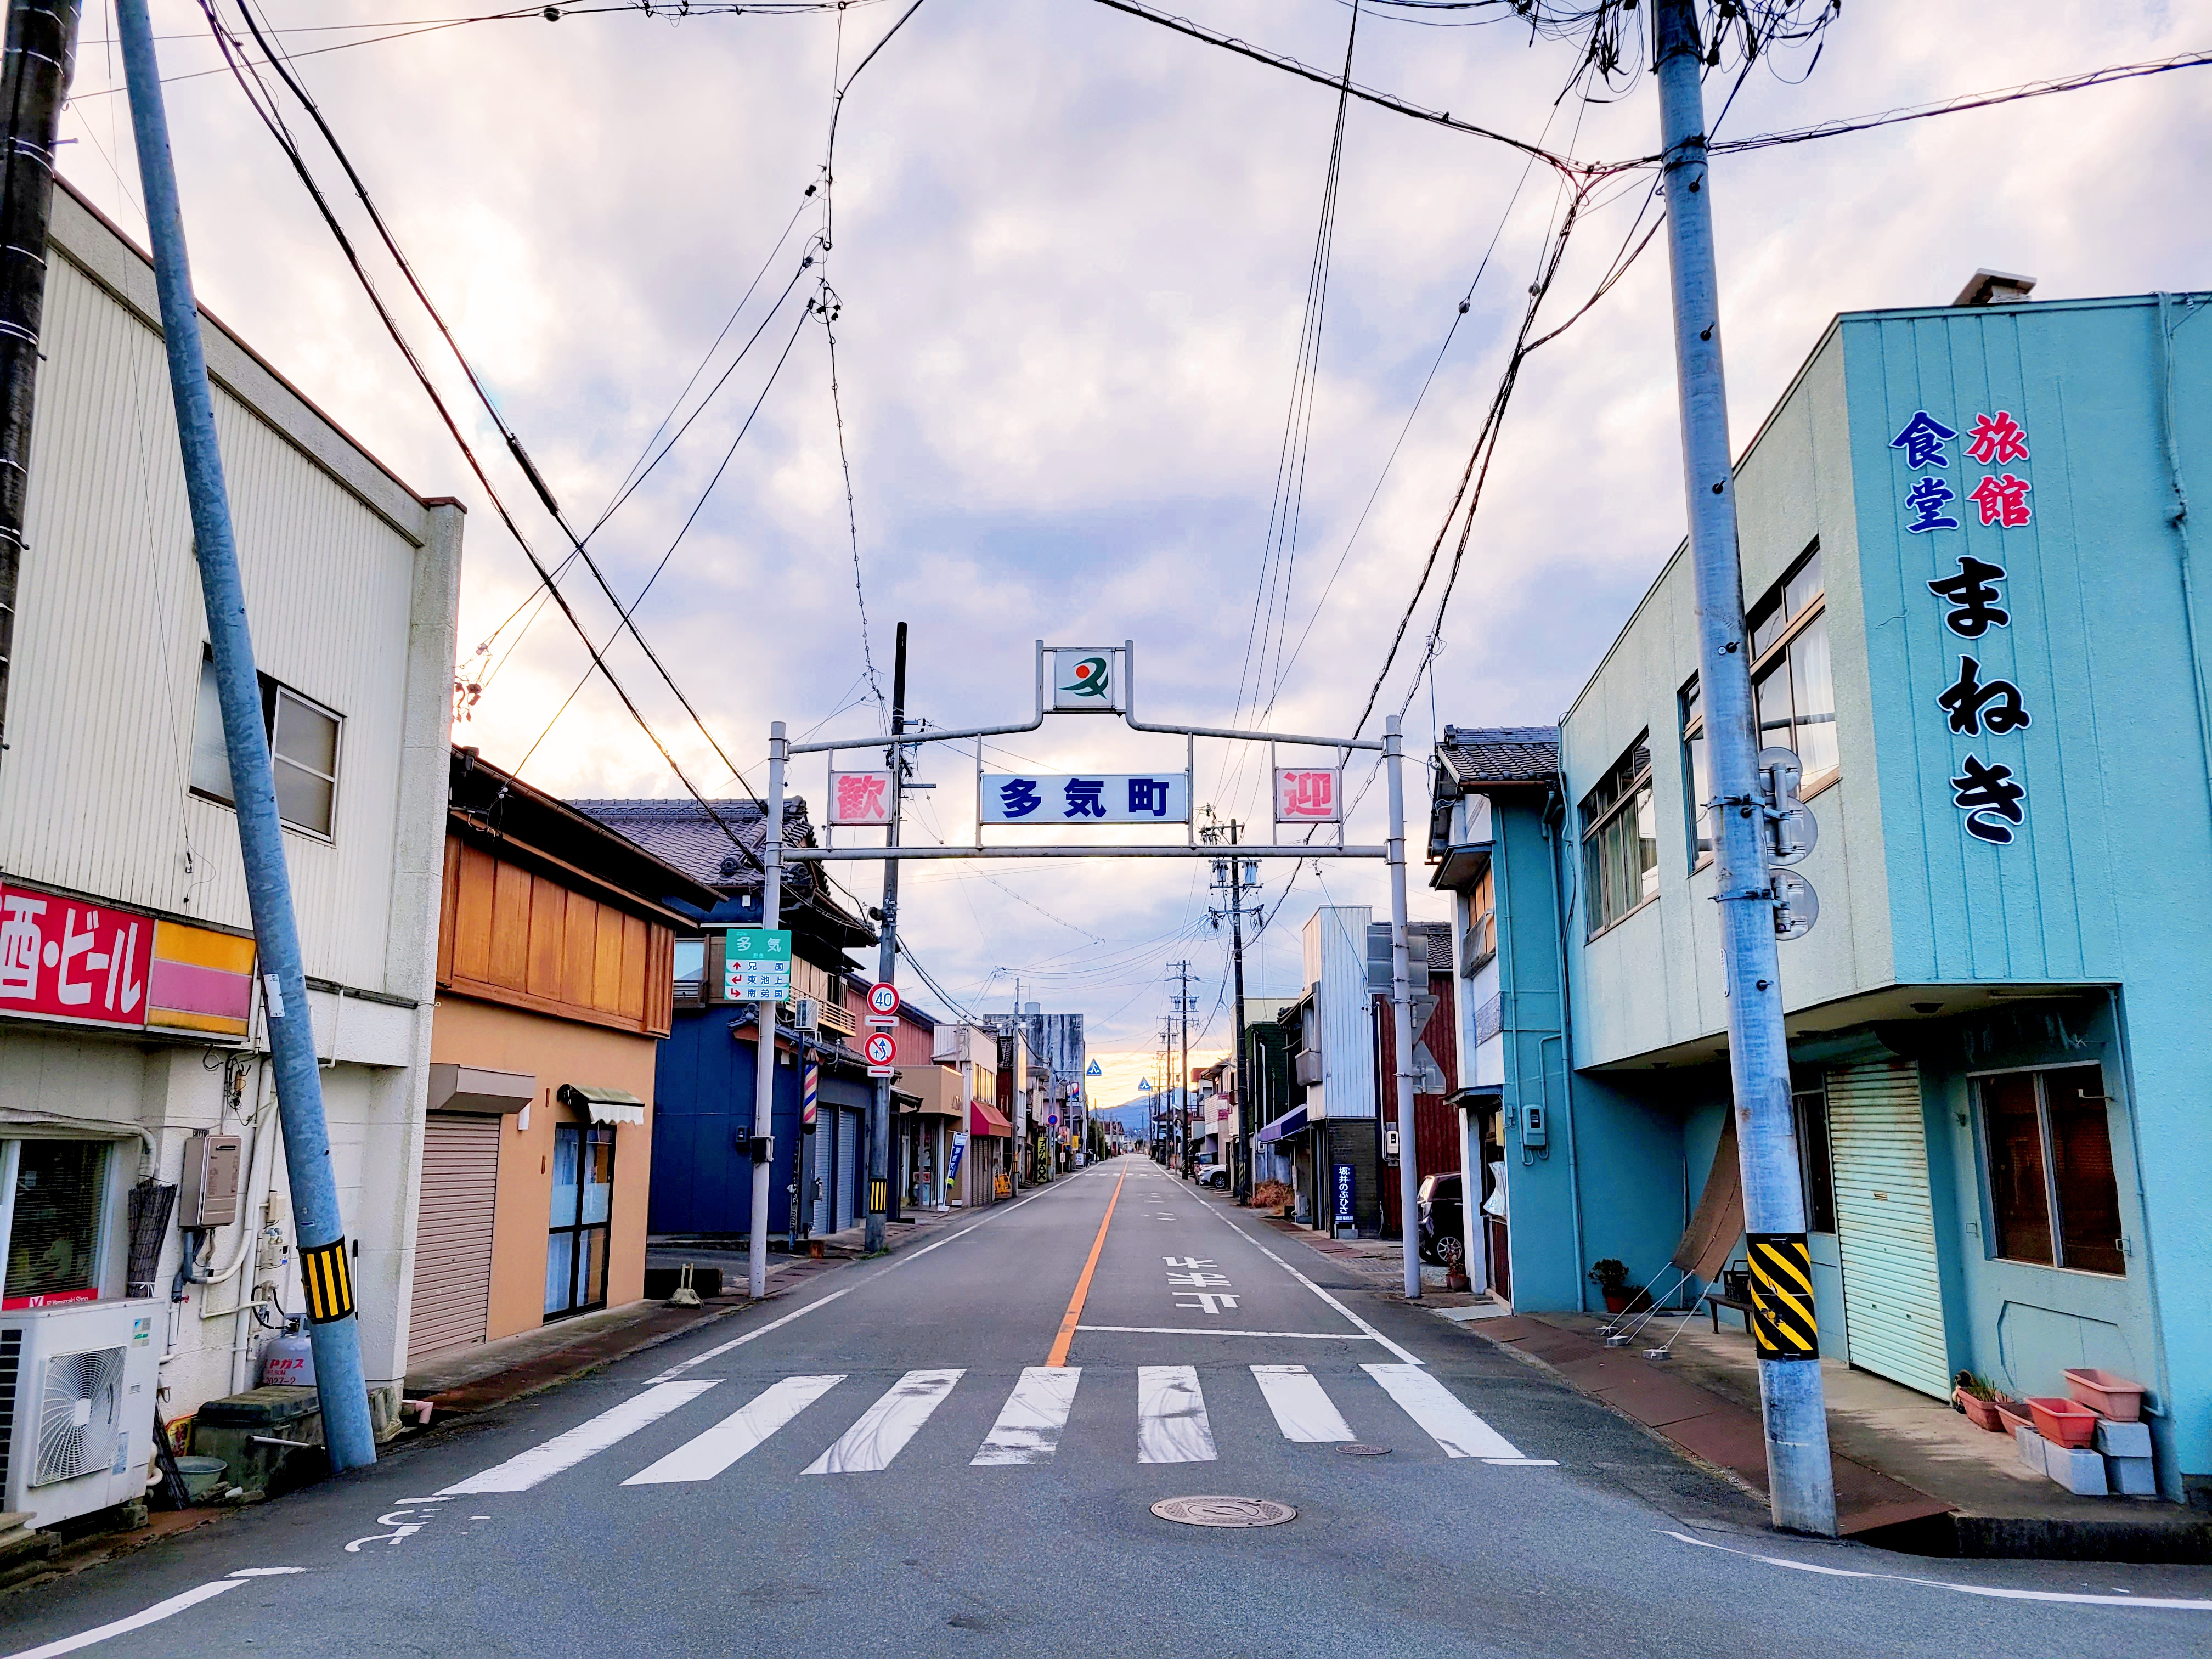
<point x="883" y="1006"/>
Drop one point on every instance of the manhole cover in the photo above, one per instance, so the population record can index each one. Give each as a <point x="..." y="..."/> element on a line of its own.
<point x="1225" y="1511"/>
<point x="1354" y="1450"/>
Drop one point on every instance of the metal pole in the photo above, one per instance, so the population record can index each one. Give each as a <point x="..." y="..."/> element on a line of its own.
<point x="326" y="1264"/>
<point x="879" y="1104"/>
<point x="41" y="48"/>
<point x="764" y="1025"/>
<point x="1401" y="1006"/>
<point x="1800" y="1478"/>
<point x="1241" y="1174"/>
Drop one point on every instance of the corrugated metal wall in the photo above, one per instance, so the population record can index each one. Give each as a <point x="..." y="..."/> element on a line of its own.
<point x="1886" y="1226"/>
<point x="109" y="633"/>
<point x="1336" y="956"/>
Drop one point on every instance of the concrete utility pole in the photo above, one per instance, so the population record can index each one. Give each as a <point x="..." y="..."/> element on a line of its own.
<point x="879" y="1105"/>
<point x="1800" y="1477"/>
<point x="41" y="48"/>
<point x="1401" y="1006"/>
<point x="763" y="1135"/>
<point x="326" y="1264"/>
<point x="1240" y="1165"/>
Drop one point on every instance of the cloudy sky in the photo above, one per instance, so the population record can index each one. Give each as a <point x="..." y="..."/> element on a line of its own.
<point x="1071" y="255"/>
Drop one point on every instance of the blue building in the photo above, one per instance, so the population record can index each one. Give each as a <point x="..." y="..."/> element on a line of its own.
<point x="703" y="1083"/>
<point x="1965" y="555"/>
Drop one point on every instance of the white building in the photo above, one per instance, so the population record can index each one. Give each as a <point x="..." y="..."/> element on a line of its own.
<point x="120" y="853"/>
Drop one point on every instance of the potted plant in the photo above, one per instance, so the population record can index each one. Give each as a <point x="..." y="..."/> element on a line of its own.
<point x="1978" y="1398"/>
<point x="1611" y="1277"/>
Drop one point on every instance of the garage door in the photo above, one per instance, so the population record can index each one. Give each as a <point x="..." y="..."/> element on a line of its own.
<point x="1886" y="1226"/>
<point x="453" y="1234"/>
<point x="848" y="1141"/>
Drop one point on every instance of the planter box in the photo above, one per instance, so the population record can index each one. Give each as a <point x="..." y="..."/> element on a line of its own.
<point x="1981" y="1414"/>
<point x="2063" y="1421"/>
<point x="2107" y="1392"/>
<point x="2014" y="1416"/>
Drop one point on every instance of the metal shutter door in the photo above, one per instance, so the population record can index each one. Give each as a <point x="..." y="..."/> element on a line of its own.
<point x="453" y="1234"/>
<point x="849" y="1141"/>
<point x="1886" y="1226"/>
<point x="822" y="1173"/>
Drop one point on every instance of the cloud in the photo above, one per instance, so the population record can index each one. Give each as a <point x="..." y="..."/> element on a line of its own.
<point x="1072" y="251"/>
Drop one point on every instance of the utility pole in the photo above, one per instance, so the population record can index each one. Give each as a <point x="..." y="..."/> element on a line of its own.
<point x="1800" y="1477"/>
<point x="1402" y="1010"/>
<point x="879" y="1104"/>
<point x="1240" y="1175"/>
<point x="763" y="1135"/>
<point x="1182" y="972"/>
<point x="318" y="1229"/>
<point x="41" y="49"/>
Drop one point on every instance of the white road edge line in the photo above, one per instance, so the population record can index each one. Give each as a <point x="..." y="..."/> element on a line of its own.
<point x="683" y="1365"/>
<point x="2068" y="1597"/>
<point x="1204" y="1330"/>
<point x="152" y="1616"/>
<point x="1405" y="1354"/>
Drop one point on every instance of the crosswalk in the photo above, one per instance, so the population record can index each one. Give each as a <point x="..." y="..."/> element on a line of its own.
<point x="1173" y="1423"/>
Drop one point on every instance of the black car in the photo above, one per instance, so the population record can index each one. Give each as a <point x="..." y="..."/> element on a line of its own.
<point x="1443" y="1222"/>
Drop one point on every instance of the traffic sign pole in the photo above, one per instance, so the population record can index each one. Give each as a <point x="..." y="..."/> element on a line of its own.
<point x="763" y="1135"/>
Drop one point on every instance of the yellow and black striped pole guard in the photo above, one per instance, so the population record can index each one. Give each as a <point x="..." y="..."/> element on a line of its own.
<point x="1781" y="1317"/>
<point x="329" y="1279"/>
<point x="879" y="1197"/>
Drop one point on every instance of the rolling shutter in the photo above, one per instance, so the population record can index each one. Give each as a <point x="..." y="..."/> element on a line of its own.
<point x="1886" y="1226"/>
<point x="849" y="1141"/>
<point x="451" y="1301"/>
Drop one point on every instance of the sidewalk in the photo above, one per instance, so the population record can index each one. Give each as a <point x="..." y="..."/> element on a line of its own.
<point x="481" y="1375"/>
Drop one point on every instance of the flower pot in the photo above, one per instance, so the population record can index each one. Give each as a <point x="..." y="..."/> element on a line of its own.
<point x="2107" y="1393"/>
<point x="1616" y="1302"/>
<point x="2013" y="1415"/>
<point x="2061" y="1422"/>
<point x="1981" y="1414"/>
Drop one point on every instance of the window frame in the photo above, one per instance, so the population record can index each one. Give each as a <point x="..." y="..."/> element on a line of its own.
<point x="2054" y="1215"/>
<point x="104" y="1220"/>
<point x="1692" y="697"/>
<point x="1776" y="657"/>
<point x="1481" y="941"/>
<point x="1638" y="787"/>
<point x="273" y="692"/>
<point x="1818" y="1175"/>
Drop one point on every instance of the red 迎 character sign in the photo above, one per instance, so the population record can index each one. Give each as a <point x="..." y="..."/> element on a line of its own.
<point x="1310" y="795"/>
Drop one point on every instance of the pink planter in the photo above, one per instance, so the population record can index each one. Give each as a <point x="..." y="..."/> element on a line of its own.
<point x="2064" y="1423"/>
<point x="1981" y="1414"/>
<point x="2107" y="1392"/>
<point x="2013" y="1415"/>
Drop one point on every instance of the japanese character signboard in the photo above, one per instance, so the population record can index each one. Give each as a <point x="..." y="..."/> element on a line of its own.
<point x="1975" y="703"/>
<point x="1097" y="798"/>
<point x="860" y="797"/>
<point x="1308" y="795"/>
<point x="756" y="964"/>
<point x="87" y="963"/>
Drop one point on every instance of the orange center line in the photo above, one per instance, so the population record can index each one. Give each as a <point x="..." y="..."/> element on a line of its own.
<point x="1059" y="1345"/>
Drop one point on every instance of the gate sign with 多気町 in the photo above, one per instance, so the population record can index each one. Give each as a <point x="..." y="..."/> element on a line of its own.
<point x="1087" y="798"/>
<point x="1308" y="795"/>
<point x="860" y="797"/>
<point x="1085" y="680"/>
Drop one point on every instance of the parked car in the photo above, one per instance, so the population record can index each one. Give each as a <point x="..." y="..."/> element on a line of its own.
<point x="1442" y="1235"/>
<point x="1213" y="1174"/>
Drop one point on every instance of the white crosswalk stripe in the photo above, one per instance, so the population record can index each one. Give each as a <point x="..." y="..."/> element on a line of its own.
<point x="1171" y="1422"/>
<point x="886" y="1426"/>
<point x="707" y="1455"/>
<point x="564" y="1452"/>
<point x="1302" y="1406"/>
<point x="1029" y="1423"/>
<point x="1442" y="1414"/>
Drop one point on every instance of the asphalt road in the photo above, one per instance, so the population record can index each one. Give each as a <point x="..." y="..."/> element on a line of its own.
<point x="886" y="1462"/>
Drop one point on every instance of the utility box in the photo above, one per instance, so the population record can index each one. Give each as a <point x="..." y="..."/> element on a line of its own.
<point x="269" y="1439"/>
<point x="207" y="1196"/>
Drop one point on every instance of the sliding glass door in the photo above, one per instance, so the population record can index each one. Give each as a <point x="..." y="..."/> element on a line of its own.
<point x="583" y="1202"/>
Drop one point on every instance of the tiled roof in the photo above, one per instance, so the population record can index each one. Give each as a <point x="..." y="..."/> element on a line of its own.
<point x="677" y="829"/>
<point x="1438" y="935"/>
<point x="1500" y="754"/>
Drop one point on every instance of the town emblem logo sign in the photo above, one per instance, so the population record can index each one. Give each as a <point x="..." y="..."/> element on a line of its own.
<point x="1090" y="679"/>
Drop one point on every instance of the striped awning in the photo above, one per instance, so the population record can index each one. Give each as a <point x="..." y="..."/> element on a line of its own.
<point x="602" y="1105"/>
<point x="1289" y="1124"/>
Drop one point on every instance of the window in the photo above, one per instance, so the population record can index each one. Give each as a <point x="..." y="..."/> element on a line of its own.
<point x="1696" y="773"/>
<point x="1481" y="944"/>
<point x="583" y="1206"/>
<point x="303" y="751"/>
<point x="1791" y="685"/>
<point x="1620" y="840"/>
<point x="52" y="1239"/>
<point x="690" y="970"/>
<point x="1810" y="1108"/>
<point x="2053" y="1197"/>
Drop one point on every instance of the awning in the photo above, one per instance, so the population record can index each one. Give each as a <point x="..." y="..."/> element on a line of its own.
<point x="1289" y="1124"/>
<point x="1713" y="1230"/>
<point x="602" y="1105"/>
<point x="987" y="1120"/>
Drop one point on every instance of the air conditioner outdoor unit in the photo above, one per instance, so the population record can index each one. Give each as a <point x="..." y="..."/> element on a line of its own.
<point x="76" y="1406"/>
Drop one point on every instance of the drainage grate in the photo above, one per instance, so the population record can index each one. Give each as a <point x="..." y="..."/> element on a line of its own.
<point x="1353" y="1448"/>
<point x="1225" y="1511"/>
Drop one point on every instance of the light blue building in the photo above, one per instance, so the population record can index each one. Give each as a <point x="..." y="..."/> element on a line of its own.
<point x="1965" y="555"/>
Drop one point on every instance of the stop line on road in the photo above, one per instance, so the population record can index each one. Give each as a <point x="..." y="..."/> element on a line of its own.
<point x="1173" y="1423"/>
